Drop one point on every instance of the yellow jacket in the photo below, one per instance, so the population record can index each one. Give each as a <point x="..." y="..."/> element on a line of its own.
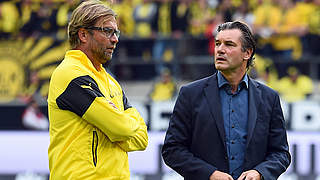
<point x="163" y="91"/>
<point x="295" y="91"/>
<point x="89" y="137"/>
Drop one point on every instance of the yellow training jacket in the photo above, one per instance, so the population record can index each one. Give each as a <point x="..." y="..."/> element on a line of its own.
<point x="89" y="137"/>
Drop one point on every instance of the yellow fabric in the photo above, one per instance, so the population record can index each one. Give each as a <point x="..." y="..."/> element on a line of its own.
<point x="26" y="13"/>
<point x="144" y="29"/>
<point x="163" y="91"/>
<point x="268" y="15"/>
<point x="292" y="92"/>
<point x="261" y="65"/>
<point x="9" y="17"/>
<point x="199" y="17"/>
<point x="164" y="23"/>
<point x="143" y="12"/>
<point x="304" y="11"/>
<point x="182" y="10"/>
<point x="288" y="42"/>
<point x="281" y="22"/>
<point x="71" y="136"/>
<point x="124" y="11"/>
<point x="314" y="21"/>
<point x="62" y="15"/>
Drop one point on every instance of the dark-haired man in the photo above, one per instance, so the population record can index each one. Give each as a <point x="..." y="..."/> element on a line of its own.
<point x="228" y="126"/>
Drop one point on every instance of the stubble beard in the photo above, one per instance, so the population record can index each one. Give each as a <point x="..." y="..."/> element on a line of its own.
<point x="101" y="54"/>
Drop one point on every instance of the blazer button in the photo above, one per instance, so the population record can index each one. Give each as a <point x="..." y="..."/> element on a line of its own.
<point x="226" y="158"/>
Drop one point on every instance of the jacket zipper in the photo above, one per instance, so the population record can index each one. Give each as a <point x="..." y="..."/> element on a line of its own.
<point x="95" y="148"/>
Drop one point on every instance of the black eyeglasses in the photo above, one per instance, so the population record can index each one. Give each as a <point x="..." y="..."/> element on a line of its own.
<point x="108" y="31"/>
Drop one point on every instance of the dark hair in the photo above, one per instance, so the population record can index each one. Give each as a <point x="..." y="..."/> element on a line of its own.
<point x="247" y="39"/>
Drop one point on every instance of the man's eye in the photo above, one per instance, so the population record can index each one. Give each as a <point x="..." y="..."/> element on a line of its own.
<point x="108" y="31"/>
<point x="230" y="44"/>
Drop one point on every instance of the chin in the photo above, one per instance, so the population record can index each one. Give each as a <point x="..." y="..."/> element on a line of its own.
<point x="107" y="57"/>
<point x="220" y="67"/>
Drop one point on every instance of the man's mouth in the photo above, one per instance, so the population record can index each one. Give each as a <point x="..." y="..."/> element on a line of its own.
<point x="219" y="58"/>
<point x="110" y="49"/>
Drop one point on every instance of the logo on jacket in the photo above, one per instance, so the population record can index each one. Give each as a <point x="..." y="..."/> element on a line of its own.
<point x="87" y="86"/>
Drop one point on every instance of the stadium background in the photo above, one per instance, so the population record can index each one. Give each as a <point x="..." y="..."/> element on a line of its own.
<point x="157" y="37"/>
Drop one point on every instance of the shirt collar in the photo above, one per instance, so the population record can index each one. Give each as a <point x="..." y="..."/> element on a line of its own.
<point x="222" y="80"/>
<point x="78" y="54"/>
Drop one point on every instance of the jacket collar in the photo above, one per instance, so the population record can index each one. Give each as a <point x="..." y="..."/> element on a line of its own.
<point x="211" y="92"/>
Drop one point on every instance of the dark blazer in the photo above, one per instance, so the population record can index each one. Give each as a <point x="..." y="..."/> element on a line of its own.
<point x="195" y="144"/>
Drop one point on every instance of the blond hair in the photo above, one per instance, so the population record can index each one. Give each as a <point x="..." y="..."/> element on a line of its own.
<point x="84" y="16"/>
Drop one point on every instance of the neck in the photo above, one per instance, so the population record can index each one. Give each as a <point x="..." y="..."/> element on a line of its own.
<point x="233" y="79"/>
<point x="96" y="64"/>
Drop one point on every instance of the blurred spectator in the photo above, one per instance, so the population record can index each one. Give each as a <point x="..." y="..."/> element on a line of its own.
<point x="164" y="48"/>
<point x="289" y="31"/>
<point x="180" y="15"/>
<point x="210" y="31"/>
<point x="32" y="90"/>
<point x="312" y="39"/>
<point x="144" y="15"/>
<point x="200" y="12"/>
<point x="125" y="18"/>
<point x="33" y="118"/>
<point x="43" y="21"/>
<point x="243" y="13"/>
<point x="25" y="9"/>
<point x="227" y="9"/>
<point x="170" y="30"/>
<point x="295" y="86"/>
<point x="275" y="24"/>
<point x="264" y="71"/>
<point x="9" y="17"/>
<point x="63" y="15"/>
<point x="164" y="88"/>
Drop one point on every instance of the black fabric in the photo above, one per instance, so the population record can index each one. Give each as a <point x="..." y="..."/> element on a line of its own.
<point x="126" y="104"/>
<point x="79" y="95"/>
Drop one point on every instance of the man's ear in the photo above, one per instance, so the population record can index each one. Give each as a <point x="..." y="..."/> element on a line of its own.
<point x="83" y="35"/>
<point x="247" y="54"/>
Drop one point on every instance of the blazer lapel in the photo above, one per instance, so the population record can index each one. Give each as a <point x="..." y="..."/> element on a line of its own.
<point x="213" y="97"/>
<point x="254" y="102"/>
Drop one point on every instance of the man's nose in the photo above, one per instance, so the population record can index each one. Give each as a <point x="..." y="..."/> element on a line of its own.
<point x="114" y="39"/>
<point x="220" y="49"/>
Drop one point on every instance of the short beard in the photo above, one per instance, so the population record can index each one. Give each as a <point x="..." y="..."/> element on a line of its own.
<point x="100" y="55"/>
<point x="107" y="64"/>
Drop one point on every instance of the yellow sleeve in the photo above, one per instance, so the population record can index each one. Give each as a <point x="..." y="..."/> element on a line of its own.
<point x="84" y="98"/>
<point x="117" y="125"/>
<point x="139" y="141"/>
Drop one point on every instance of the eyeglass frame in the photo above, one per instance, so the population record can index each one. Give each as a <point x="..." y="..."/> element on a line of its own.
<point x="106" y="30"/>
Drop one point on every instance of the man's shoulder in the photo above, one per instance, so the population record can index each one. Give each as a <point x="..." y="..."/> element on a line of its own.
<point x="200" y="82"/>
<point x="68" y="70"/>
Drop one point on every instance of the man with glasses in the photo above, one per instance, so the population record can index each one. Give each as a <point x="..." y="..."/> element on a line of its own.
<point x="92" y="124"/>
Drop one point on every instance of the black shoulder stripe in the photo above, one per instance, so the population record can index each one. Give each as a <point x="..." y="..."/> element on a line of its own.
<point x="79" y="95"/>
<point x="126" y="104"/>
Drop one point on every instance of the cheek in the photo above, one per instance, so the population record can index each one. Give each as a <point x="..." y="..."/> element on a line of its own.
<point x="236" y="54"/>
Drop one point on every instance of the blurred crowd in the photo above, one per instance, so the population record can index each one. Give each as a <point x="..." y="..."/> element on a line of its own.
<point x="167" y="31"/>
<point x="287" y="28"/>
